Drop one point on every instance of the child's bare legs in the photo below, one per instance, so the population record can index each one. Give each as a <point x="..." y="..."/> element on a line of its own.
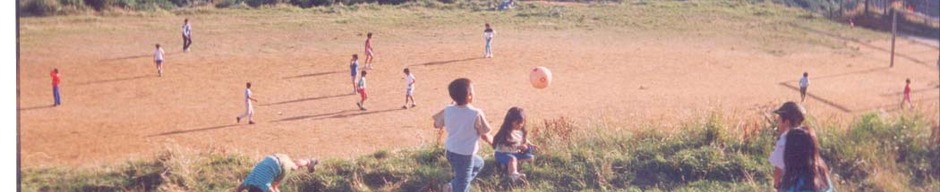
<point x="368" y="60"/>
<point x="362" y="104"/>
<point x="249" y="112"/>
<point x="355" y="88"/>
<point x="407" y="98"/>
<point x="908" y="101"/>
<point x="362" y="101"/>
<point x="160" y="68"/>
<point x="512" y="168"/>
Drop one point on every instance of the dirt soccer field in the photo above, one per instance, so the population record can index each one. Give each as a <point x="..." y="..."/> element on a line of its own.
<point x="617" y="65"/>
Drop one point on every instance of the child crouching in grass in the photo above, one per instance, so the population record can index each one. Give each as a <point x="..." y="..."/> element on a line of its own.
<point x="511" y="143"/>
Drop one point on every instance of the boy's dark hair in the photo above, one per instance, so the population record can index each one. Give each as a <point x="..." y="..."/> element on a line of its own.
<point x="487" y="24"/>
<point x="369" y="34"/>
<point x="55" y="69"/>
<point x="459" y="89"/>
<point x="355" y="56"/>
<point x="805" y="74"/>
<point x="407" y="71"/>
<point x="158" y="45"/>
<point x="364" y="73"/>
<point x="186" y="20"/>
<point x="908" y="80"/>
<point x="248" y="85"/>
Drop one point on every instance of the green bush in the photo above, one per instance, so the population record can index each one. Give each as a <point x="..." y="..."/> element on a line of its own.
<point x="352" y="2"/>
<point x="99" y="5"/>
<point x="228" y="3"/>
<point x="302" y="3"/>
<point x="391" y="2"/>
<point x="322" y="2"/>
<point x="181" y="3"/>
<point x="41" y="7"/>
<point x="126" y="4"/>
<point x="76" y="4"/>
<point x="259" y="3"/>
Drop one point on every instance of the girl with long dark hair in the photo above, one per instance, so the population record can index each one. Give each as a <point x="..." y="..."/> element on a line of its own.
<point x="511" y="143"/>
<point x="805" y="169"/>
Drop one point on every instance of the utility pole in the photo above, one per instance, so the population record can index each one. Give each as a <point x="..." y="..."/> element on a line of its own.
<point x="894" y="32"/>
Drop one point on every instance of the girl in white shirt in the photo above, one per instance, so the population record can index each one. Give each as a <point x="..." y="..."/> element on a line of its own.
<point x="488" y="36"/>
<point x="158" y="59"/>
<point x="410" y="89"/>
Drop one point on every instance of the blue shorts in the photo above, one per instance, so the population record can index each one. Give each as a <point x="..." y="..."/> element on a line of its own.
<point x="503" y="158"/>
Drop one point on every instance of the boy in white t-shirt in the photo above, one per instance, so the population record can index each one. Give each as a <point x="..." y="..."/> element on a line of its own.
<point x="187" y="35"/>
<point x="158" y="59"/>
<point x="410" y="89"/>
<point x="465" y="125"/>
<point x="804" y="83"/>
<point x="249" y="110"/>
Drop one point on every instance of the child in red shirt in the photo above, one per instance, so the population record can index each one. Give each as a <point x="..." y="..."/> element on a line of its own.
<point x="55" y="87"/>
<point x="907" y="95"/>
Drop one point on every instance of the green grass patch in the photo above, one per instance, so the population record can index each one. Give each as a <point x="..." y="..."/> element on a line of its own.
<point x="874" y="153"/>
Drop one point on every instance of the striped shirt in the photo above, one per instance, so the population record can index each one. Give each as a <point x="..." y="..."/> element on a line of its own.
<point x="272" y="168"/>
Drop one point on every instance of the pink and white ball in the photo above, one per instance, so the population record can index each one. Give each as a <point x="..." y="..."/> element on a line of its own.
<point x="540" y="77"/>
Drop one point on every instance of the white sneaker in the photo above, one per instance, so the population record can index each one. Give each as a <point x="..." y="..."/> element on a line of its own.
<point x="517" y="176"/>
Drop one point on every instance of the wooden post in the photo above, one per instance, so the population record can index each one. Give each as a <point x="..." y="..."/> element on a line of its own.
<point x="894" y="32"/>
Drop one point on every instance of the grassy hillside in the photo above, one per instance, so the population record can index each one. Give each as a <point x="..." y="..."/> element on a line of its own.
<point x="874" y="153"/>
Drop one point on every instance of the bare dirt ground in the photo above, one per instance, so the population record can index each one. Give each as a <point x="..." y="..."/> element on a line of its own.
<point x="115" y="108"/>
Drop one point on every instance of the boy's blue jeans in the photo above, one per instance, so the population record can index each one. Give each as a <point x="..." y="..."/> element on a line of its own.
<point x="489" y="48"/>
<point x="56" y="96"/>
<point x="465" y="169"/>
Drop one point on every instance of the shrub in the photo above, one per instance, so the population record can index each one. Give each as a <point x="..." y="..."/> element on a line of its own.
<point x="42" y="7"/>
<point x="228" y="3"/>
<point x="352" y="2"/>
<point x="126" y="4"/>
<point x="181" y="3"/>
<point x="258" y="3"/>
<point x="321" y="2"/>
<point x="99" y="5"/>
<point x="392" y="2"/>
<point x="72" y="3"/>
<point x="303" y="3"/>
